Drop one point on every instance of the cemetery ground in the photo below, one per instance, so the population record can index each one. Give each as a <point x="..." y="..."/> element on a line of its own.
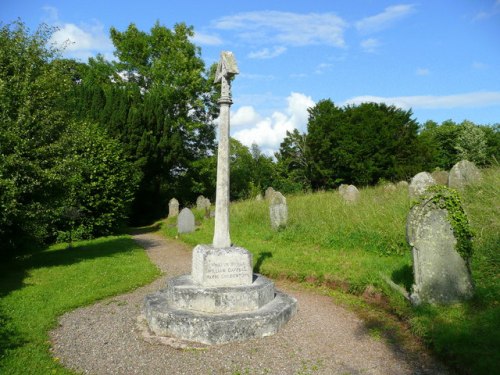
<point x="329" y="246"/>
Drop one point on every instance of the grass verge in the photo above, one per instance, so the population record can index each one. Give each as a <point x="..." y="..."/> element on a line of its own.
<point x="36" y="289"/>
<point x="352" y="247"/>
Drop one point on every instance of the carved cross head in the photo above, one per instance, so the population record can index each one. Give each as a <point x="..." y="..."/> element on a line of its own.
<point x="227" y="66"/>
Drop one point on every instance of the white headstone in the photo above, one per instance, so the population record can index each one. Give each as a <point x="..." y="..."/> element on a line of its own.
<point x="278" y="210"/>
<point x="350" y="194"/>
<point x="173" y="207"/>
<point x="419" y="184"/>
<point x="462" y="174"/>
<point x="185" y="221"/>
<point x="268" y="195"/>
<point x="441" y="177"/>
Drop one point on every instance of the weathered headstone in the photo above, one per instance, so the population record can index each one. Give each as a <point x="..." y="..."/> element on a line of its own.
<point x="278" y="210"/>
<point x="350" y="194"/>
<point x="441" y="177"/>
<point x="342" y="189"/>
<point x="185" y="221"/>
<point x="419" y="184"/>
<point x="201" y="202"/>
<point x="268" y="195"/>
<point x="462" y="174"/>
<point x="258" y="197"/>
<point x="173" y="208"/>
<point x="389" y="187"/>
<point x="441" y="274"/>
<point x="222" y="300"/>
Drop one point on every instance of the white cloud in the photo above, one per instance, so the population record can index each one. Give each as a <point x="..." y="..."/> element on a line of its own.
<point x="285" y="28"/>
<point x="206" y="39"/>
<point x="385" y="19"/>
<point x="79" y="41"/>
<point x="270" y="131"/>
<point x="267" y="53"/>
<point x="467" y="100"/>
<point x="370" y="45"/>
<point x="422" y="72"/>
<point x="479" y="65"/>
<point x="245" y="116"/>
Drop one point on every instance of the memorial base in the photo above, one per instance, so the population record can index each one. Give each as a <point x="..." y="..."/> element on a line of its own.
<point x="189" y="310"/>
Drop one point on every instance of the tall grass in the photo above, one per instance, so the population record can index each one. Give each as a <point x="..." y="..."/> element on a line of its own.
<point x="36" y="289"/>
<point x="356" y="245"/>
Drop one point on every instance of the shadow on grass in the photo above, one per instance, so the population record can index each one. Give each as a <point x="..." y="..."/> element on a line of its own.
<point x="143" y="230"/>
<point x="10" y="338"/>
<point x="403" y="276"/>
<point x="262" y="257"/>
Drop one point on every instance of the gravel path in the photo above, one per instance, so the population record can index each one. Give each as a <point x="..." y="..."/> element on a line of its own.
<point x="110" y="337"/>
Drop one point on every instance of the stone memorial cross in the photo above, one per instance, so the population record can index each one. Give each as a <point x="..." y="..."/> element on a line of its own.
<point x="226" y="69"/>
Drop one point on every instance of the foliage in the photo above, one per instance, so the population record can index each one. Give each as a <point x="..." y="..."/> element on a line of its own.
<point x="35" y="290"/>
<point x="159" y="101"/>
<point x="360" y="144"/>
<point x="471" y="143"/>
<point x="449" y="200"/>
<point x="49" y="163"/>
<point x="293" y="164"/>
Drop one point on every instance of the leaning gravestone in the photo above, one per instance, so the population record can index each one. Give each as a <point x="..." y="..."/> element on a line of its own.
<point x="419" y="184"/>
<point x="278" y="210"/>
<point x="173" y="208"/>
<point x="441" y="177"/>
<point x="185" y="221"/>
<point x="462" y="174"/>
<point x="222" y="300"/>
<point x="268" y="195"/>
<point x="441" y="274"/>
<point x="350" y="194"/>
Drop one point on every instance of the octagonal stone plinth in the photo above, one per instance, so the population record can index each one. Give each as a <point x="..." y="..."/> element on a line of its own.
<point x="183" y="293"/>
<point x="167" y="320"/>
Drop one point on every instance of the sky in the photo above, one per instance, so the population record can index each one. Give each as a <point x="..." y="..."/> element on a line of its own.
<point x="441" y="59"/>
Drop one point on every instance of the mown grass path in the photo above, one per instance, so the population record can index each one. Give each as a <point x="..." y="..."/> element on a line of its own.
<point x="322" y="338"/>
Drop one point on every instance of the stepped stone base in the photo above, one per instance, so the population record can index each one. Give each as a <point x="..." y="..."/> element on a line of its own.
<point x="218" y="315"/>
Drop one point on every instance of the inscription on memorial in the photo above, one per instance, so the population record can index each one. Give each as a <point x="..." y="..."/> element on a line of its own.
<point x="218" y="267"/>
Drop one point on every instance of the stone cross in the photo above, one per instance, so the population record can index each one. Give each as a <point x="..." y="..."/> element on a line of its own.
<point x="226" y="70"/>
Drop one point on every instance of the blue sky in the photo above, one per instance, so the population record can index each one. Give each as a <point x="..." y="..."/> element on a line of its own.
<point x="439" y="58"/>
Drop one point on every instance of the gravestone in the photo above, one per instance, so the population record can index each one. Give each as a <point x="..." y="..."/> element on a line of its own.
<point x="222" y="300"/>
<point x="342" y="189"/>
<point x="441" y="177"/>
<point x="185" y="221"/>
<point x="419" y="184"/>
<point x="278" y="210"/>
<point x="268" y="195"/>
<point x="200" y="202"/>
<point x="173" y="208"/>
<point x="441" y="275"/>
<point x="462" y="174"/>
<point x="402" y="184"/>
<point x="389" y="187"/>
<point x="258" y="197"/>
<point x="350" y="194"/>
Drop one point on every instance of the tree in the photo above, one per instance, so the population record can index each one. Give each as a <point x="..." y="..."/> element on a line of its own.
<point x="360" y="144"/>
<point x="293" y="164"/>
<point x="471" y="143"/>
<point x="160" y="103"/>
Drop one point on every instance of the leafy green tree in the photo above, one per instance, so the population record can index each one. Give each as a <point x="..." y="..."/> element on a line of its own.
<point x="293" y="164"/>
<point x="360" y="144"/>
<point x="471" y="143"/>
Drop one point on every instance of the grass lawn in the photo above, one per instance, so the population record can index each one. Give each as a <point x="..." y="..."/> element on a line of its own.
<point x="350" y="247"/>
<point x="36" y="289"/>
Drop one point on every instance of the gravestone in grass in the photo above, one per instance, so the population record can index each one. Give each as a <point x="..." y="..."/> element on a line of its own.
<point x="441" y="177"/>
<point x="419" y="184"/>
<point x="173" y="208"/>
<point x="185" y="221"/>
<point x="278" y="211"/>
<point x="462" y="174"/>
<point x="350" y="194"/>
<point x="342" y="189"/>
<point x="222" y="300"/>
<point x="269" y="194"/>
<point x="440" y="257"/>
